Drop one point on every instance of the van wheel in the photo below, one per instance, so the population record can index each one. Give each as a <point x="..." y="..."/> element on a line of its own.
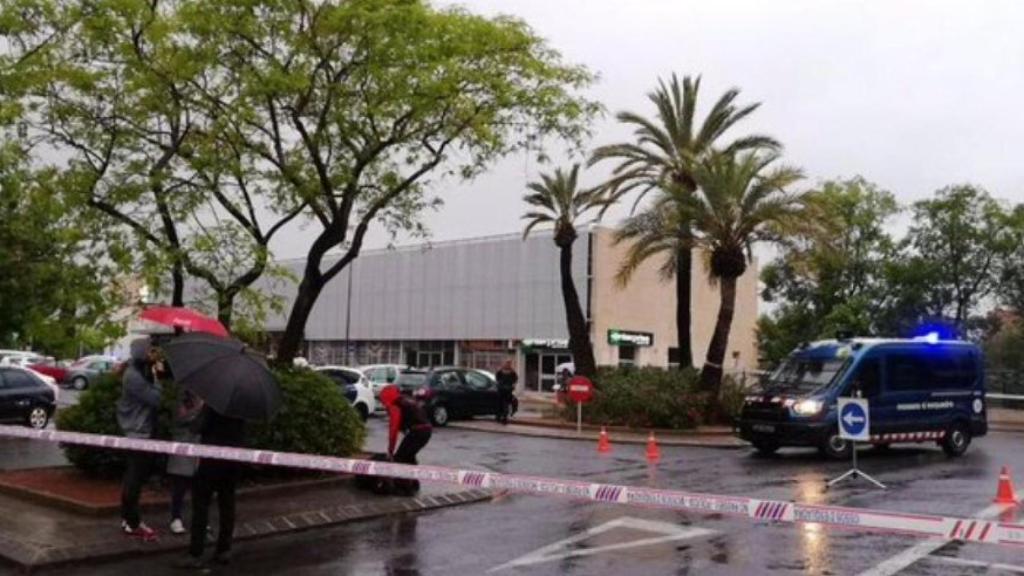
<point x="957" y="439"/>
<point x="765" y="447"/>
<point x="836" y="448"/>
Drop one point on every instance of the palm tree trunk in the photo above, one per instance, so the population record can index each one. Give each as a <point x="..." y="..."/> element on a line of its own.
<point x="711" y="374"/>
<point x="684" y="265"/>
<point x="579" y="333"/>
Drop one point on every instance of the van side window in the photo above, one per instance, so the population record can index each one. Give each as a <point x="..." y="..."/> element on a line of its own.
<point x="907" y="372"/>
<point x="953" y="369"/>
<point x="869" y="378"/>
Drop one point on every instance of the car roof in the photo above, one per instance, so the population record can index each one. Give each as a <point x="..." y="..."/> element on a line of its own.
<point x="334" y="367"/>
<point x="833" y="348"/>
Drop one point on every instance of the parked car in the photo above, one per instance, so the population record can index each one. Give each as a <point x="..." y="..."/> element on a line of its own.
<point x="380" y="375"/>
<point x="18" y="358"/>
<point x="85" y="371"/>
<point x="354" y="385"/>
<point x="52" y="368"/>
<point x="449" y="393"/>
<point x="50" y="382"/>
<point x="25" y="398"/>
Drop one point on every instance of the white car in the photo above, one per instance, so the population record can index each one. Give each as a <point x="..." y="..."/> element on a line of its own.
<point x="50" y="381"/>
<point x="381" y="375"/>
<point x="354" y="385"/>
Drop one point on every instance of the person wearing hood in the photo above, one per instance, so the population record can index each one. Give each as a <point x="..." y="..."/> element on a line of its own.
<point x="405" y="414"/>
<point x="137" y="415"/>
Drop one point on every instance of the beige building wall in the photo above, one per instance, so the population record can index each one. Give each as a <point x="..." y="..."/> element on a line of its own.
<point x="648" y="304"/>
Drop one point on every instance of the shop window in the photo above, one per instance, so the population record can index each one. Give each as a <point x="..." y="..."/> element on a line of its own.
<point x="627" y="356"/>
<point x="673" y="358"/>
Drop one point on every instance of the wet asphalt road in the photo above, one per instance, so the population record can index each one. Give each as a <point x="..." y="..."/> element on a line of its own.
<point x="508" y="536"/>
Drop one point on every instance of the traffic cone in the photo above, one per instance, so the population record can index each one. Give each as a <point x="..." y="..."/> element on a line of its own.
<point x="653" y="453"/>
<point x="1004" y="493"/>
<point x="603" y="445"/>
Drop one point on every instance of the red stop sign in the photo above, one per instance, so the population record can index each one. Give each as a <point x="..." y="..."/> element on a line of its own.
<point x="581" y="389"/>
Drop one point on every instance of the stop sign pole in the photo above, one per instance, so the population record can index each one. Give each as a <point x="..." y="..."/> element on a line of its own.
<point x="581" y="391"/>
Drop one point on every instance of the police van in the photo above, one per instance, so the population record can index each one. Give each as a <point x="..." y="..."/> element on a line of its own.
<point x="919" y="390"/>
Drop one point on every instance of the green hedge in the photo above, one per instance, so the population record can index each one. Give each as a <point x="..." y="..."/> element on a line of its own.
<point x="314" y="419"/>
<point x="644" y="398"/>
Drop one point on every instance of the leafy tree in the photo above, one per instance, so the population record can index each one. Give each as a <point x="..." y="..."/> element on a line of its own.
<point x="742" y="200"/>
<point x="351" y="106"/>
<point x="662" y="158"/>
<point x="169" y="192"/>
<point x="842" y="280"/>
<point x="1010" y="288"/>
<point x="959" y="238"/>
<point x="558" y="200"/>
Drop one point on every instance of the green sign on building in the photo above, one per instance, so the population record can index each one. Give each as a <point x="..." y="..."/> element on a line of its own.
<point x="618" y="337"/>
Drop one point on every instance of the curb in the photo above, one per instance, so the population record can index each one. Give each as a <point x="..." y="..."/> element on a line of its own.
<point x="541" y="432"/>
<point x="118" y="547"/>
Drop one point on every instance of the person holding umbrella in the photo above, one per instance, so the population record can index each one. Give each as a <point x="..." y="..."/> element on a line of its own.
<point x="235" y="385"/>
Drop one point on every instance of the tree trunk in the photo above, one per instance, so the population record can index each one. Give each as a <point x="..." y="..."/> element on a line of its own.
<point x="579" y="332"/>
<point x="178" y="284"/>
<point x="225" y="309"/>
<point x="684" y="267"/>
<point x="711" y="374"/>
<point x="294" y="332"/>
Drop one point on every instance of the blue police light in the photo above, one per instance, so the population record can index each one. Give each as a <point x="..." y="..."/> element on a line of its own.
<point x="933" y="333"/>
<point x="931" y="338"/>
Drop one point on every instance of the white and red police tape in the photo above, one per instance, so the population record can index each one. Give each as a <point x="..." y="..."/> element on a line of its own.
<point x="921" y="525"/>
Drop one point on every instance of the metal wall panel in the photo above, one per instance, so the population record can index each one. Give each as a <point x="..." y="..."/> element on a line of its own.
<point x="488" y="289"/>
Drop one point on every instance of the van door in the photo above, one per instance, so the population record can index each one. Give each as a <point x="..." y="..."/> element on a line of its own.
<point x="867" y="381"/>
<point x="905" y="391"/>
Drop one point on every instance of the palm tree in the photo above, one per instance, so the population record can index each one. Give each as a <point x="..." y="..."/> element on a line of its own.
<point x="558" y="200"/>
<point x="742" y="200"/>
<point x="662" y="157"/>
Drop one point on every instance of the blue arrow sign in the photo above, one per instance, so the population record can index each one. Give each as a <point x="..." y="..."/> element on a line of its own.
<point x="853" y="419"/>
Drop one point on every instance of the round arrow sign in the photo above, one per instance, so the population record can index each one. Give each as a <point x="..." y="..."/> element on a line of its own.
<point x="853" y="419"/>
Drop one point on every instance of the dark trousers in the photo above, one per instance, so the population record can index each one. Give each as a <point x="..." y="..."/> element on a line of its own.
<point x="220" y="478"/>
<point x="411" y="445"/>
<point x="180" y="485"/>
<point x="504" y="405"/>
<point x="138" y="466"/>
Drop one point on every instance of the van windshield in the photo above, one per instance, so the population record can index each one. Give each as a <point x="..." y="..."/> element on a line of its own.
<point x="805" y="374"/>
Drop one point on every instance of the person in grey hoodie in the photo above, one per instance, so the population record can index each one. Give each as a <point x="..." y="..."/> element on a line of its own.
<point x="136" y="415"/>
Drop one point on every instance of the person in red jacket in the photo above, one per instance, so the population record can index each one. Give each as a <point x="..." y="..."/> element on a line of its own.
<point x="407" y="415"/>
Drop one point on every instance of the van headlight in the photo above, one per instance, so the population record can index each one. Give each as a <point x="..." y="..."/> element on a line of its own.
<point x="808" y="407"/>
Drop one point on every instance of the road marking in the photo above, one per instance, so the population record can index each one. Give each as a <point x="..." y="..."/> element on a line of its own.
<point x="978" y="564"/>
<point x="915" y="553"/>
<point x="565" y="548"/>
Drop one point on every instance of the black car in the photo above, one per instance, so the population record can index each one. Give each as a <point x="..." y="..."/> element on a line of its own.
<point x="449" y="393"/>
<point x="25" y="398"/>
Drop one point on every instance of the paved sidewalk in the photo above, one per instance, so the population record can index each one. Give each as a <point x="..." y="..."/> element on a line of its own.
<point x="34" y="535"/>
<point x="1006" y="420"/>
<point x="711" y="437"/>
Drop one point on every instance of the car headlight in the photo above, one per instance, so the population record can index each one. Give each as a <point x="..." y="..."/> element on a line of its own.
<point x="808" y="407"/>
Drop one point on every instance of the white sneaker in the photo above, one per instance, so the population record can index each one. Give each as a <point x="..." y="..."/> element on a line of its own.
<point x="177" y="526"/>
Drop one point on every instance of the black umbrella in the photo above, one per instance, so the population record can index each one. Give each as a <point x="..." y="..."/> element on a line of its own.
<point x="230" y="377"/>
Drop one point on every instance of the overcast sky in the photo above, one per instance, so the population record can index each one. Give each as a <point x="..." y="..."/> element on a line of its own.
<point x="913" y="95"/>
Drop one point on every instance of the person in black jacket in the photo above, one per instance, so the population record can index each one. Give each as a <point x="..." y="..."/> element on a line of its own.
<point x="136" y="416"/>
<point x="507" y="379"/>
<point x="218" y="477"/>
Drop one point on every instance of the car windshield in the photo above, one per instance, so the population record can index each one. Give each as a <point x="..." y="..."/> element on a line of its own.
<point x="411" y="379"/>
<point x="802" y="374"/>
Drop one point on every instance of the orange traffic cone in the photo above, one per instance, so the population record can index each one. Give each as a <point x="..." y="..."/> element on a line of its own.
<point x="603" y="445"/>
<point x="653" y="453"/>
<point x="1004" y="493"/>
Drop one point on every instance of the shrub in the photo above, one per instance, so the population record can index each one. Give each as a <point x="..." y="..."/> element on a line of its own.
<point x="314" y="418"/>
<point x="644" y="398"/>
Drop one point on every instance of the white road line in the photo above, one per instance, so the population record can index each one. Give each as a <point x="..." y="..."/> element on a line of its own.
<point x="978" y="564"/>
<point x="566" y="548"/>
<point x="912" y="555"/>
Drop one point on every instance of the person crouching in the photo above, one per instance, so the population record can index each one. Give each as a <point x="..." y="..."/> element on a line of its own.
<point x="407" y="415"/>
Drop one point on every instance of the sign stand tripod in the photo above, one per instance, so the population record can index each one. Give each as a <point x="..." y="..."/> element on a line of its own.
<point x="853" y="427"/>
